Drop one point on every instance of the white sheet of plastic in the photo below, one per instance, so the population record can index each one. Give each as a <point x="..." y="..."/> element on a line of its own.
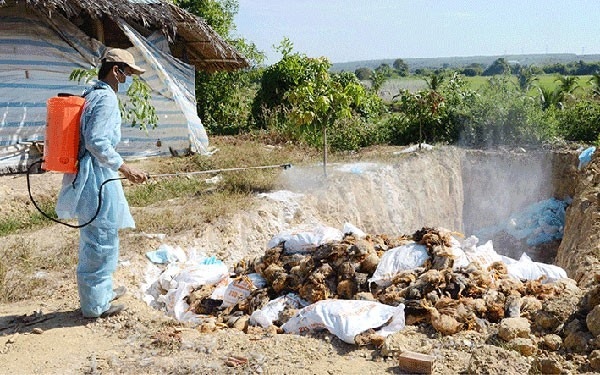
<point x="347" y="318"/>
<point x="178" y="280"/>
<point x="349" y="228"/>
<point x="398" y="259"/>
<point x="526" y="269"/>
<point x="306" y="238"/>
<point x="270" y="312"/>
<point x="484" y="255"/>
<point x="167" y="254"/>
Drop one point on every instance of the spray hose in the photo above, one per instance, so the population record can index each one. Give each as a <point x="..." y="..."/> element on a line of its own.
<point x="284" y="166"/>
<point x="62" y="222"/>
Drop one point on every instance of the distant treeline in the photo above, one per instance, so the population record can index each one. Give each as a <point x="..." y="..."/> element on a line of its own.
<point x="565" y="64"/>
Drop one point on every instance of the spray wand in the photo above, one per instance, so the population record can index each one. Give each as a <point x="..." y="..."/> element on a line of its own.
<point x="211" y="171"/>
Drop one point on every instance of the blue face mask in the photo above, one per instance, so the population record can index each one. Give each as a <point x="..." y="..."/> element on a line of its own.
<point x="124" y="87"/>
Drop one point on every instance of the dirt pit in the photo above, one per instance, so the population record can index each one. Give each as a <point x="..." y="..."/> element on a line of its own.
<point x="554" y="331"/>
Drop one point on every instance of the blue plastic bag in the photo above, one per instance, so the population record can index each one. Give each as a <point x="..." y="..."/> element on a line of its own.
<point x="586" y="156"/>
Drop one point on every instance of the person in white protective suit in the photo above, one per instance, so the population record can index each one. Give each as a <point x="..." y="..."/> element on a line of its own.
<point x="79" y="197"/>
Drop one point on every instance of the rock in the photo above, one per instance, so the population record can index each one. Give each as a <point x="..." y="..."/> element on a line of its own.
<point x="511" y="328"/>
<point x="37" y="331"/>
<point x="365" y="296"/>
<point x="591" y="298"/>
<point x="548" y="366"/>
<point x="395" y="343"/>
<point x="577" y="341"/>
<point x="241" y="324"/>
<point x="552" y="342"/>
<point x="557" y="309"/>
<point x="594" y="359"/>
<point x="592" y="321"/>
<point x="525" y="347"/>
<point x="493" y="360"/>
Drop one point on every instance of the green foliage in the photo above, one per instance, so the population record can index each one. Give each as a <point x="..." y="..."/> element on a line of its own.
<point x="137" y="108"/>
<point x="271" y="102"/>
<point x="363" y="74"/>
<point x="226" y="101"/>
<point x="503" y="114"/>
<point x="499" y="66"/>
<point x="401" y="67"/>
<point x="580" y="121"/>
<point x="219" y="14"/>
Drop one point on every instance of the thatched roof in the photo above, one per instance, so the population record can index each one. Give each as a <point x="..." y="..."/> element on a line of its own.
<point x="192" y="39"/>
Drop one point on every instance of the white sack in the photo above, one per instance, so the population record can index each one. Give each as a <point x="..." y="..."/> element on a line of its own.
<point x="351" y="229"/>
<point x="398" y="259"/>
<point x="305" y="239"/>
<point x="347" y="318"/>
<point x="270" y="312"/>
<point x="527" y="269"/>
<point x="241" y="287"/>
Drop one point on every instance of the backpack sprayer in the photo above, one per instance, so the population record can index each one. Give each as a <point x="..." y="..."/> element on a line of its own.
<point x="61" y="149"/>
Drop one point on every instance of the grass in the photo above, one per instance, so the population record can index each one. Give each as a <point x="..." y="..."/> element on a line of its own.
<point x="392" y="86"/>
<point x="29" y="220"/>
<point x="21" y="260"/>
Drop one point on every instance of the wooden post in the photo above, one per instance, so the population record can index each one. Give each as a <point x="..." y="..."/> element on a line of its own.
<point x="325" y="150"/>
<point x="98" y="27"/>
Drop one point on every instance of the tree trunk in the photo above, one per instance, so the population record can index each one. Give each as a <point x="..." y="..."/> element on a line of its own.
<point x="325" y="151"/>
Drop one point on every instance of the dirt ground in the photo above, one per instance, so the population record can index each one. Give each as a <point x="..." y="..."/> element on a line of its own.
<point x="47" y="334"/>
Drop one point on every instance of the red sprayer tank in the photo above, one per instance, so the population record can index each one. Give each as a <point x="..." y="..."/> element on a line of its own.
<point x="62" y="134"/>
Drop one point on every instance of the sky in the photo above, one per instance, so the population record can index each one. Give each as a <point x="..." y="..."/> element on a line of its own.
<point x="354" y="30"/>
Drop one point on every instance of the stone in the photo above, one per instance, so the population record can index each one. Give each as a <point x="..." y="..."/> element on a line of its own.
<point x="552" y="342"/>
<point x="241" y="324"/>
<point x="523" y="346"/>
<point x="594" y="359"/>
<point x="592" y="321"/>
<point x="548" y="366"/>
<point x="493" y="360"/>
<point x="556" y="310"/>
<point x="511" y="328"/>
<point x="577" y="341"/>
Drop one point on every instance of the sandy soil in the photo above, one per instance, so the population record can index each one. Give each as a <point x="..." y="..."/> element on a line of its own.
<point x="47" y="335"/>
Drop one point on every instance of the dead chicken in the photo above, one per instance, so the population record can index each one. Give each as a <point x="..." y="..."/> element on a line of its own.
<point x="442" y="323"/>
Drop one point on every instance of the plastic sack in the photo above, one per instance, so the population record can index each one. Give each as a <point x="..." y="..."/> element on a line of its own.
<point x="526" y="269"/>
<point x="167" y="254"/>
<point x="351" y="229"/>
<point x="179" y="281"/>
<point x="303" y="240"/>
<point x="484" y="255"/>
<point x="270" y="312"/>
<point x="398" y="259"/>
<point x="241" y="288"/>
<point x="347" y="318"/>
<point x="586" y="156"/>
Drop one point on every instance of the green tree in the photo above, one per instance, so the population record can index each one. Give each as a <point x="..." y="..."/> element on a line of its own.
<point x="378" y="78"/>
<point x="595" y="83"/>
<point x="320" y="102"/>
<point x="526" y="79"/>
<point x="224" y="99"/>
<point x="363" y="73"/>
<point x="219" y="14"/>
<point x="401" y="67"/>
<point x="499" y="66"/>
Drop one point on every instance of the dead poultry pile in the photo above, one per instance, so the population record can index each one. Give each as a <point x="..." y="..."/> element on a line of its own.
<point x="448" y="298"/>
